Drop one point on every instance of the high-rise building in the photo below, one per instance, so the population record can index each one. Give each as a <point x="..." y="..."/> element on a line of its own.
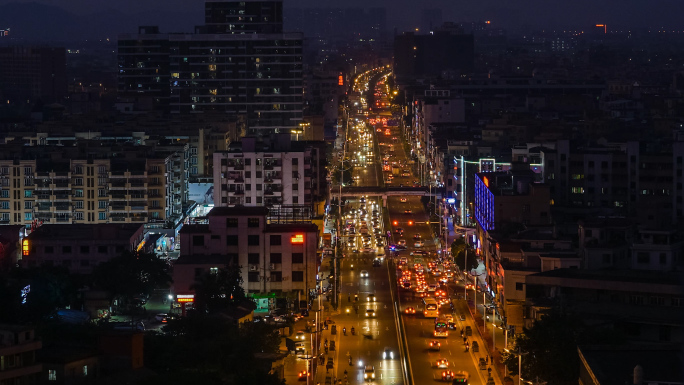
<point x="244" y="16"/>
<point x="240" y="63"/>
<point x="30" y="74"/>
<point x="446" y="52"/>
<point x="430" y="19"/>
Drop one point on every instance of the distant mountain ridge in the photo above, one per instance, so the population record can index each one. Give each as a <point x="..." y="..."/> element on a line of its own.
<point x="36" y="22"/>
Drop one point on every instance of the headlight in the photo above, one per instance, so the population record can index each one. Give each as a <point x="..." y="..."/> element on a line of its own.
<point x="360" y="363"/>
<point x="392" y="355"/>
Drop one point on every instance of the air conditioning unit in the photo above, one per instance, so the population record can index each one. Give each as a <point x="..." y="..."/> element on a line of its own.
<point x="253" y="268"/>
<point x="272" y="266"/>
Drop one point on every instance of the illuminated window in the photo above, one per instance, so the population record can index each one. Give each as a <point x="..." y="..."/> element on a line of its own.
<point x="213" y="91"/>
<point x="578" y="190"/>
<point x="175" y="75"/>
<point x="297" y="238"/>
<point x="212" y="67"/>
<point x="25" y="247"/>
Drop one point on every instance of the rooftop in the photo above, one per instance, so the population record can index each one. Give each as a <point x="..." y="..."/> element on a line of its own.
<point x="99" y="232"/>
<point x="195" y="229"/>
<point x="238" y="211"/>
<point x="616" y="275"/>
<point x="289" y="227"/>
<point x="198" y="259"/>
<point x="614" y="364"/>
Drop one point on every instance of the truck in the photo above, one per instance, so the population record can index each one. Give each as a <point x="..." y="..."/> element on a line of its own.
<point x="395" y="170"/>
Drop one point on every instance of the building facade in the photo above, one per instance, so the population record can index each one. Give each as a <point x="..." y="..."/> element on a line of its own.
<point x="239" y="63"/>
<point x="258" y="174"/>
<point x="62" y="185"/>
<point x="30" y="74"/>
<point x="79" y="247"/>
<point x="273" y="258"/>
<point x="18" y="348"/>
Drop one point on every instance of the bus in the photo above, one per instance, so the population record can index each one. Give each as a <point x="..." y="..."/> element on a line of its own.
<point x="430" y="308"/>
<point x="441" y="327"/>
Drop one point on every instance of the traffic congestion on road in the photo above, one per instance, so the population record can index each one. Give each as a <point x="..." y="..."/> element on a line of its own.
<point x="402" y="316"/>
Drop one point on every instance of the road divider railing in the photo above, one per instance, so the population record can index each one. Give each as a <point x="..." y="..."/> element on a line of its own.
<point x="405" y="360"/>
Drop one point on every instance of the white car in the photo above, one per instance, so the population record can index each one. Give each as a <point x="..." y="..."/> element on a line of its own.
<point x="364" y="274"/>
<point x="401" y="242"/>
<point x="369" y="373"/>
<point x="387" y="354"/>
<point x="419" y="244"/>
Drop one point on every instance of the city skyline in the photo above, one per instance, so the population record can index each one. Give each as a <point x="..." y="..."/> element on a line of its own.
<point x="533" y="14"/>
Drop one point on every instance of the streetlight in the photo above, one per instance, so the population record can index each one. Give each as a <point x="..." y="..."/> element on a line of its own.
<point x="520" y="354"/>
<point x="505" y="330"/>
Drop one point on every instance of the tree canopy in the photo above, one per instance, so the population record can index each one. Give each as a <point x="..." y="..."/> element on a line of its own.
<point x="458" y="250"/>
<point x="132" y="274"/>
<point x="45" y="289"/>
<point x="219" y="291"/>
<point x="213" y="349"/>
<point x="549" y="348"/>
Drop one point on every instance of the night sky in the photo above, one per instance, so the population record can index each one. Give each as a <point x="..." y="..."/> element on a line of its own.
<point x="406" y="13"/>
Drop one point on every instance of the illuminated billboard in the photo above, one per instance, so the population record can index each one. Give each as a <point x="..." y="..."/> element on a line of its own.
<point x="202" y="193"/>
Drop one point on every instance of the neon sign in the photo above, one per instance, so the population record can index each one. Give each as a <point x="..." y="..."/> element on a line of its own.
<point x="297" y="238"/>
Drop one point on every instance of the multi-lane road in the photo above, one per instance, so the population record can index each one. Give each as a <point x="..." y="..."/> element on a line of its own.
<point x="370" y="300"/>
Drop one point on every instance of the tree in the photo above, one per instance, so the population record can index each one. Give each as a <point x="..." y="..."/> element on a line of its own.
<point x="31" y="295"/>
<point x="458" y="251"/>
<point x="132" y="274"/>
<point x="550" y="347"/>
<point x="219" y="291"/>
<point x="211" y="350"/>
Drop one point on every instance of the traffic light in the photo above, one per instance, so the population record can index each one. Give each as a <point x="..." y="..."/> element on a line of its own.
<point x="410" y="223"/>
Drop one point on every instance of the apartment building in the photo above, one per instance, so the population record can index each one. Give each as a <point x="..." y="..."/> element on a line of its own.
<point x="278" y="172"/>
<point x="79" y="247"/>
<point x="64" y="185"/>
<point x="239" y="63"/>
<point x="202" y="134"/>
<point x="632" y="179"/>
<point x="18" y="348"/>
<point x="272" y="258"/>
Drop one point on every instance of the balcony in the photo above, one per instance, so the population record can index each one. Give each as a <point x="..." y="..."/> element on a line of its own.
<point x="138" y="218"/>
<point x="62" y="197"/>
<point x="137" y="183"/>
<point x="63" y="207"/>
<point x="118" y="207"/>
<point x="42" y="197"/>
<point x="117" y="184"/>
<point x="62" y="218"/>
<point x="117" y="175"/>
<point x="43" y="206"/>
<point x="43" y="184"/>
<point x="61" y="175"/>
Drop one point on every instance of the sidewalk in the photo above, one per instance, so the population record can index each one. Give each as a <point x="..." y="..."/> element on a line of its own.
<point x="486" y="349"/>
